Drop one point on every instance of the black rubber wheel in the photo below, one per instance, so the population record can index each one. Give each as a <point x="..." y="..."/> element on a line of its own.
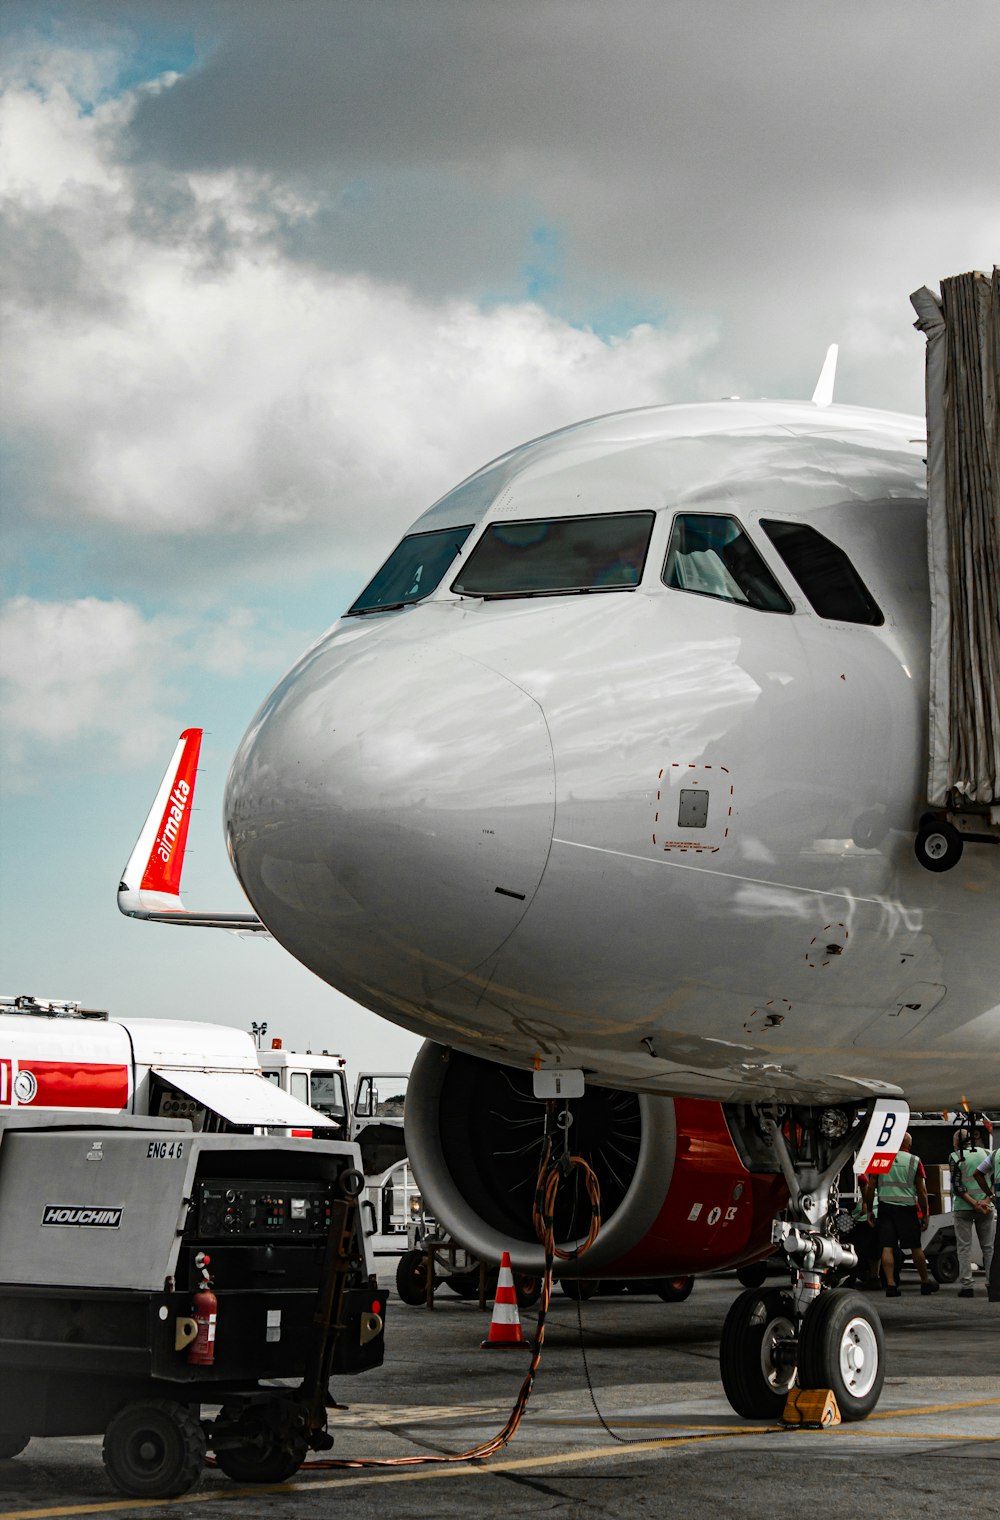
<point x="757" y="1353"/>
<point x="465" y="1284"/>
<point x="411" y="1277"/>
<point x="674" y="1290"/>
<point x="154" y="1450"/>
<point x="579" y="1289"/>
<point x="272" y="1461"/>
<point x="842" y="1347"/>
<point x="944" y="1266"/>
<point x="12" y="1443"/>
<point x="754" y="1275"/>
<point x="527" y="1289"/>
<point x="938" y="846"/>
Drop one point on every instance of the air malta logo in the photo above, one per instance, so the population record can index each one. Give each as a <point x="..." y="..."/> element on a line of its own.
<point x="94" y="1216"/>
<point x="172" y="820"/>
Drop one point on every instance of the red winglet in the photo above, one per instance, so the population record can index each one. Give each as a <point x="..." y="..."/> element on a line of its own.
<point x="166" y="857"/>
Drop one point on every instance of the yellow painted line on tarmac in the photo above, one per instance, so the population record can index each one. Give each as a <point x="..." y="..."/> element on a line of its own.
<point x="896" y="1414"/>
<point x="626" y="1423"/>
<point x="915" y="1435"/>
<point x="353" y="1479"/>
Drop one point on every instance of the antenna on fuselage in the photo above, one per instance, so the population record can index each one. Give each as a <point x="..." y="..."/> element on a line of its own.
<point x="823" y="394"/>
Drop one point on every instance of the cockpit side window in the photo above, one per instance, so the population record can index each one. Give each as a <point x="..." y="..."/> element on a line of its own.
<point x="830" y="582"/>
<point x="412" y="571"/>
<point x="712" y="556"/>
<point x="558" y="555"/>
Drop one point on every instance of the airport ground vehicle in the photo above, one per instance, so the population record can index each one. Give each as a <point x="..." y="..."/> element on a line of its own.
<point x="146" y="1270"/>
<point x="58" y="1057"/>
<point x="374" y="1118"/>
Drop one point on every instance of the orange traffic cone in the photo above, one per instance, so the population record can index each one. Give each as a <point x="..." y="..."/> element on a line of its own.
<point x="505" y="1326"/>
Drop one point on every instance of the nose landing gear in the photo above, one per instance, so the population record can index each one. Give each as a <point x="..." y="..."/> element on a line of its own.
<point x="812" y="1333"/>
<point x="758" y="1353"/>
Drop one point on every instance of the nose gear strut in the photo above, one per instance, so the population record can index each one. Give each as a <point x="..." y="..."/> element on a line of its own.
<point x="811" y="1333"/>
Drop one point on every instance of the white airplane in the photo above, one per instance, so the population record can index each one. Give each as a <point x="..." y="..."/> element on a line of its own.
<point x="617" y="766"/>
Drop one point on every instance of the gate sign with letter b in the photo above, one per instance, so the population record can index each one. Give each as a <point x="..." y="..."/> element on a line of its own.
<point x="883" y="1137"/>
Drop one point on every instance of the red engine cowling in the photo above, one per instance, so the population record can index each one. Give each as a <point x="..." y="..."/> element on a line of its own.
<point x="675" y="1196"/>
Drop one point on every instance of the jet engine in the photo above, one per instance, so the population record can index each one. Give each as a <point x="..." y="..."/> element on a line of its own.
<point x="676" y="1197"/>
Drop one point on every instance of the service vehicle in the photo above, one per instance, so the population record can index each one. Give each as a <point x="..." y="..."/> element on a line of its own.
<point x="58" y="1057"/>
<point x="147" y="1271"/>
<point x="374" y="1119"/>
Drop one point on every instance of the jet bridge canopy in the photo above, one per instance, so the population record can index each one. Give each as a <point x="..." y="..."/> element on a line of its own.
<point x="963" y="478"/>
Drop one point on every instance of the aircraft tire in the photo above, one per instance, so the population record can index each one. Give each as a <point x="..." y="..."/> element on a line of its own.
<point x="755" y="1359"/>
<point x="938" y="846"/>
<point x="842" y="1347"/>
<point x="754" y="1275"/>
<point x="12" y="1442"/>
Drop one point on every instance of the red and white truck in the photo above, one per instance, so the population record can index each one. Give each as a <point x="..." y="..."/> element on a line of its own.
<point x="58" y="1057"/>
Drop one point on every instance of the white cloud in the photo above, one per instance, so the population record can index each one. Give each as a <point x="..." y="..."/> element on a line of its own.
<point x="199" y="380"/>
<point x="101" y="682"/>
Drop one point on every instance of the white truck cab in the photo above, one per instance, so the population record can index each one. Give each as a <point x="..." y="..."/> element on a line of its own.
<point x="375" y="1120"/>
<point x="317" y="1078"/>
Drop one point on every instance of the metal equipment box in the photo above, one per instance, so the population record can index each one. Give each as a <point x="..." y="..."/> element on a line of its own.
<point x="109" y="1231"/>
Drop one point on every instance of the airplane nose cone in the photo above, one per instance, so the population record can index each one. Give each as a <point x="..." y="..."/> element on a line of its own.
<point x="390" y="813"/>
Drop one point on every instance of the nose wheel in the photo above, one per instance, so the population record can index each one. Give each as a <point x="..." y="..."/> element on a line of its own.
<point x="758" y="1353"/>
<point x="842" y="1347"/>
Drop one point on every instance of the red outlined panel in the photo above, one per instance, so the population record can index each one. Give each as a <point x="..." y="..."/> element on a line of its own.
<point x="6" y="1073"/>
<point x="680" y="776"/>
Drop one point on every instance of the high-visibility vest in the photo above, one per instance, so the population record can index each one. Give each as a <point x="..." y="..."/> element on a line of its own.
<point x="963" y="1170"/>
<point x="993" y="1174"/>
<point x="898" y="1185"/>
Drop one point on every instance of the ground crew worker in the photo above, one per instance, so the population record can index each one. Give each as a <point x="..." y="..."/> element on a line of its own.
<point x="988" y="1177"/>
<point x="862" y="1237"/>
<point x="902" y="1213"/>
<point x="970" y="1210"/>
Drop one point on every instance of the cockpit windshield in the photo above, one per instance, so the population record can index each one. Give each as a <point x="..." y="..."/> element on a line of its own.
<point x="558" y="555"/>
<point x="710" y="555"/>
<point x="412" y="571"/>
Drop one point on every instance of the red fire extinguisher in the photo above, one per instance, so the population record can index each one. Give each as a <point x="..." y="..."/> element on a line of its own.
<point x="205" y="1310"/>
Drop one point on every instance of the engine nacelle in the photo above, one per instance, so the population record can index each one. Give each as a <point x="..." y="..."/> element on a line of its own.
<point x="675" y="1196"/>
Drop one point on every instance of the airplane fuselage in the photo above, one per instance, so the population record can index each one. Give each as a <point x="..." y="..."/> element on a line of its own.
<point x="644" y="826"/>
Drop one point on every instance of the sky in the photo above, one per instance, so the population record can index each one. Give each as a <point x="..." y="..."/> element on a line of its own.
<point x="278" y="276"/>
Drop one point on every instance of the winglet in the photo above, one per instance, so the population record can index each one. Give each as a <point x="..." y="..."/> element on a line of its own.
<point x="823" y="394"/>
<point x="150" y="887"/>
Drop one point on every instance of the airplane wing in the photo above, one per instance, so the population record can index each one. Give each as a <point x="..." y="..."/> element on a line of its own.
<point x="150" y="887"/>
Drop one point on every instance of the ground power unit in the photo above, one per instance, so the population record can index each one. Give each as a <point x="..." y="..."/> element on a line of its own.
<point x="147" y="1271"/>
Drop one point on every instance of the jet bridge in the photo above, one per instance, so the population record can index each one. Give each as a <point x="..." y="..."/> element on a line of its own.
<point x="962" y="327"/>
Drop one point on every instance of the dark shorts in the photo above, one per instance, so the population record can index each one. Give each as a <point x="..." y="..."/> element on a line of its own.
<point x="865" y="1242"/>
<point x="898" y="1225"/>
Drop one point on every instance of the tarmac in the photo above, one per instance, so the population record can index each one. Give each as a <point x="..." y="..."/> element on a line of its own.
<point x="658" y="1437"/>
